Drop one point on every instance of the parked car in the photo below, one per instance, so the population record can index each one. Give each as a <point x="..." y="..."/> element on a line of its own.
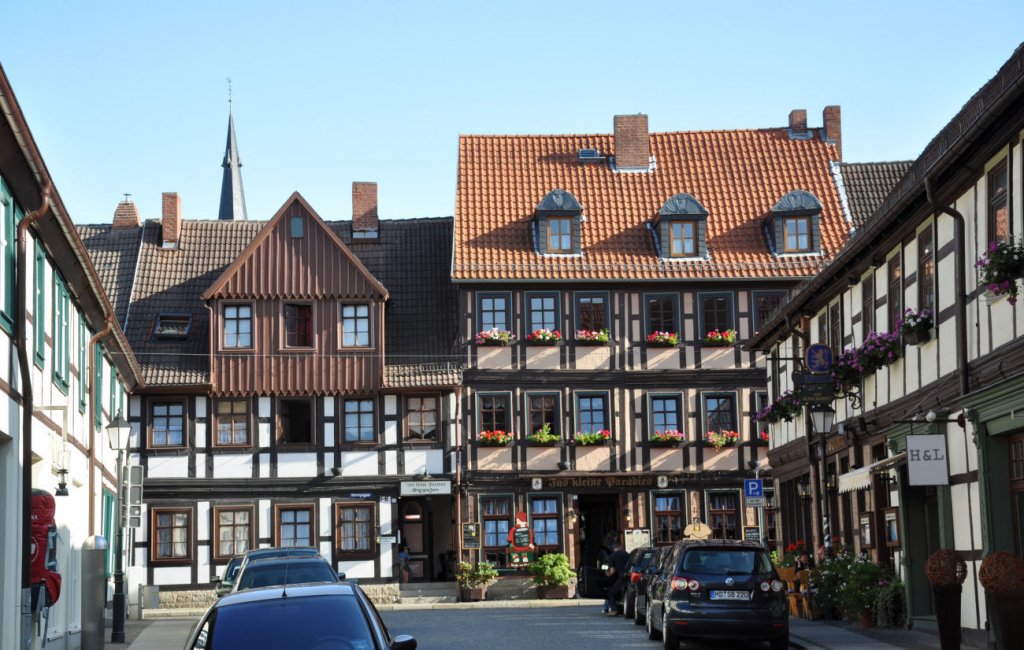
<point x="285" y="571"/>
<point x="311" y="617"/>
<point x="718" y="589"/>
<point x="279" y="551"/>
<point x="642" y="588"/>
<point x="223" y="584"/>
<point x="635" y="566"/>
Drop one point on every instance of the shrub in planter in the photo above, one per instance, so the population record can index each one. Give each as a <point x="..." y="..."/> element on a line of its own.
<point x="944" y="568"/>
<point x="891" y="605"/>
<point x="858" y="594"/>
<point x="552" y="574"/>
<point x="592" y="438"/>
<point x="475" y="578"/>
<point x="543" y="437"/>
<point x="848" y="368"/>
<point x="946" y="572"/>
<point x="787" y="406"/>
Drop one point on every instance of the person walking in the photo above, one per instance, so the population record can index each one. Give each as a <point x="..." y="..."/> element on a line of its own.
<point x="616" y="568"/>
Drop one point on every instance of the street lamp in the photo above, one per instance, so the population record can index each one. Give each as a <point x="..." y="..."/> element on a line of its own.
<point x="803" y="488"/>
<point x="822" y="419"/>
<point x="118" y="433"/>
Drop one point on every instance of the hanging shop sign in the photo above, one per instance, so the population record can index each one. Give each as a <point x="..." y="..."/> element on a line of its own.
<point x="470" y="535"/>
<point x="637" y="538"/>
<point x="927" y="462"/>
<point x="814" y="388"/>
<point x="424" y="488"/>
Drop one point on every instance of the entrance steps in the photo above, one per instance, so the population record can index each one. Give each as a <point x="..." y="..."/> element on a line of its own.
<point x="425" y="593"/>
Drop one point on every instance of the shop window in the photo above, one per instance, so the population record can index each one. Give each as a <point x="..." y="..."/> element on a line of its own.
<point x="359" y="420"/>
<point x="546" y="522"/>
<point x="421" y="418"/>
<point x="867" y="534"/>
<point x="172" y="534"/>
<point x="723" y="514"/>
<point x="1016" y="458"/>
<point x="167" y="427"/>
<point x="496" y="514"/>
<point x="294" y="525"/>
<point x="233" y="533"/>
<point x="295" y="421"/>
<point x="668" y="519"/>
<point x="355" y="533"/>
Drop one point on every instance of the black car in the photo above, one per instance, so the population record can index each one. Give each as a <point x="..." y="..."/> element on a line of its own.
<point x="285" y="571"/>
<point x="312" y="617"/>
<point x="718" y="589"/>
<point x="642" y="588"/>
<point x="637" y="563"/>
<point x="223" y="584"/>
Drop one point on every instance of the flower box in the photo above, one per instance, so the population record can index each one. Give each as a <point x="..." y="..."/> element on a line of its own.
<point x="495" y="438"/>
<point x="494" y="337"/>
<point x="915" y="327"/>
<point x="662" y="340"/>
<point x="591" y="337"/>
<point x="667" y="438"/>
<point x="543" y="336"/>
<point x="543" y="437"/>
<point x="719" y="339"/>
<point x="917" y="337"/>
<point x="719" y="439"/>
<point x="592" y="439"/>
<point x="1000" y="267"/>
<point x="540" y="443"/>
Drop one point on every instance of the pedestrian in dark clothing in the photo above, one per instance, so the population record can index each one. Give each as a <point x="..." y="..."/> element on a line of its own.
<point x="616" y="568"/>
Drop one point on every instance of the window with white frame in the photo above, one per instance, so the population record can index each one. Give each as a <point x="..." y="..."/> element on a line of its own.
<point x="355" y="326"/>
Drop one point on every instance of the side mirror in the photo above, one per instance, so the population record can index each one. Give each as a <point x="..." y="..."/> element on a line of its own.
<point x="403" y="642"/>
<point x="341" y="575"/>
<point x="215" y="579"/>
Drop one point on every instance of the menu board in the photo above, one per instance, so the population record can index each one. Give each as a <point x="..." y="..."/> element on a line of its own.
<point x="470" y="536"/>
<point x="752" y="534"/>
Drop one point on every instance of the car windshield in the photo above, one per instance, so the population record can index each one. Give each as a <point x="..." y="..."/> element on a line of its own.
<point x="322" y="622"/>
<point x="285" y="573"/>
<point x="721" y="561"/>
<point x="232" y="570"/>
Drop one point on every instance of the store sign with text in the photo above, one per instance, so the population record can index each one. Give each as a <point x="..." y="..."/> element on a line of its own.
<point x="927" y="463"/>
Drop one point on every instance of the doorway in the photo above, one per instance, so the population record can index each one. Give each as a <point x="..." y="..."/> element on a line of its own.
<point x="416" y="535"/>
<point x="599" y="528"/>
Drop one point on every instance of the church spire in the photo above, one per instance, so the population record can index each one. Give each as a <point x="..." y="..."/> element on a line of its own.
<point x="232" y="196"/>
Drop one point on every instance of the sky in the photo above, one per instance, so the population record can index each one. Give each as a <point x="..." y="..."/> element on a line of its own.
<point x="132" y="97"/>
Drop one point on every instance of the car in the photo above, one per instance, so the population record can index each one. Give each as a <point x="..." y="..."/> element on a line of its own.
<point x="279" y="551"/>
<point x="635" y="566"/>
<point x="717" y="590"/>
<point x="222" y="585"/>
<point x="643" y="584"/>
<point x="310" y="617"/>
<point x="285" y="571"/>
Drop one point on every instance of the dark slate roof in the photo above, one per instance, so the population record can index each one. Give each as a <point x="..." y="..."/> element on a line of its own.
<point x="113" y="252"/>
<point x="867" y="185"/>
<point x="411" y="258"/>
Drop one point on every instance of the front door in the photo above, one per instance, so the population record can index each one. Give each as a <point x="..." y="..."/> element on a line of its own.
<point x="416" y="536"/>
<point x="599" y="529"/>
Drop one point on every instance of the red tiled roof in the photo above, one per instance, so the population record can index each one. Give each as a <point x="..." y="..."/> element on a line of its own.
<point x="737" y="175"/>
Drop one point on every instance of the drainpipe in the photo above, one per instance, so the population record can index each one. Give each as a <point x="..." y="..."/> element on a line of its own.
<point x="91" y="354"/>
<point x="960" y="280"/>
<point x="25" y="388"/>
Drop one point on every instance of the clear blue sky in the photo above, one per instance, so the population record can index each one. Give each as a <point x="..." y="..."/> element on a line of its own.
<point x="131" y="96"/>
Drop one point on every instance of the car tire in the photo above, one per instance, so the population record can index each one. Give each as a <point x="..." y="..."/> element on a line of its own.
<point x="669" y="639"/>
<point x="628" y="607"/>
<point x="638" y="618"/>
<point x="781" y="643"/>
<point x="652" y="633"/>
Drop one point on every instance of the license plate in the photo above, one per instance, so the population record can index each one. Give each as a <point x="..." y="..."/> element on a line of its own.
<point x="730" y="595"/>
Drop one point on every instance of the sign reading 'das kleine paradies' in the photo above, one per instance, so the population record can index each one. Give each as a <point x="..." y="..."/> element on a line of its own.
<point x="421" y="488"/>
<point x="926" y="460"/>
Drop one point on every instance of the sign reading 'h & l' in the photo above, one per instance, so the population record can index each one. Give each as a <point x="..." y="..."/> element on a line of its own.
<point x="926" y="460"/>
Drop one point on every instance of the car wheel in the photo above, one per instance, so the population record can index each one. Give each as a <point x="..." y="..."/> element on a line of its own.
<point x="628" y="607"/>
<point x="671" y="641"/>
<point x="652" y="633"/>
<point x="638" y="618"/>
<point x="780" y="644"/>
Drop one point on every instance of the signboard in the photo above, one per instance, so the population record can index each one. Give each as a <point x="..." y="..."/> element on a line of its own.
<point x="814" y="389"/>
<point x="637" y="538"/>
<point x="604" y="482"/>
<point x="470" y="536"/>
<point x="751" y="534"/>
<point x="818" y="359"/>
<point x="753" y="487"/>
<point x="421" y="488"/>
<point x="388" y="539"/>
<point x="755" y="502"/>
<point x="926" y="460"/>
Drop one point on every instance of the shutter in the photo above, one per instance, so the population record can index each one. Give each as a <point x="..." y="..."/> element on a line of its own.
<point x="664" y="239"/>
<point x="576" y="234"/>
<point x="542" y="235"/>
<point x="815" y="233"/>
<point x="702" y="238"/>
<point x="779" y="230"/>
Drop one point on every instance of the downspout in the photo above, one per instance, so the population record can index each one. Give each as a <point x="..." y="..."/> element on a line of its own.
<point x="91" y="352"/>
<point x="960" y="280"/>
<point x="25" y="388"/>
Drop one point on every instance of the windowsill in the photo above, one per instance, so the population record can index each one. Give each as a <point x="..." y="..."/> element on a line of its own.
<point x="343" y="556"/>
<point x="236" y="350"/>
<point x="300" y="348"/>
<point x="295" y="446"/>
<point x="420" y="442"/>
<point x="171" y="562"/>
<point x="358" y="443"/>
<point x="356" y="348"/>
<point x="168" y="450"/>
<point x="247" y="448"/>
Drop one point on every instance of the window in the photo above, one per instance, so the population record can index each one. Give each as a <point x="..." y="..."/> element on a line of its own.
<point x="895" y="297"/>
<point x="771" y="531"/>
<point x="668" y="519"/>
<point x="559" y="235"/>
<point x="665" y="413"/>
<point x="421" y="418"/>
<point x="61" y="334"/>
<point x="359" y="420"/>
<point x="232" y="422"/>
<point x="298" y="326"/>
<point x="234" y="531"/>
<point x="168" y="425"/>
<point x="719" y="413"/>
<point x="355" y="529"/>
<point x="544" y="410"/>
<point x="835" y="328"/>
<point x="295" y="421"/>
<point x="760" y="402"/>
<point x="545" y="520"/>
<point x="295" y="526"/>
<point x="172" y="534"/>
<point x="765" y="305"/>
<point x="867" y="305"/>
<point x="591" y="413"/>
<point x="297" y="227"/>
<point x="355" y="326"/>
<point x="682" y="237"/>
<point x="591" y="312"/>
<point x="661" y="314"/>
<point x="97" y="382"/>
<point x="797" y="231"/>
<point x="8" y="243"/>
<point x="496" y="514"/>
<point x="83" y="384"/>
<point x="542" y="312"/>
<point x="722" y="510"/>
<point x="172" y="326"/>
<point x="494" y="412"/>
<point x="926" y="271"/>
<point x="39" y="309"/>
<point x="716" y="310"/>
<point x="237" y="326"/>
<point x="998" y="212"/>
<point x="494" y="312"/>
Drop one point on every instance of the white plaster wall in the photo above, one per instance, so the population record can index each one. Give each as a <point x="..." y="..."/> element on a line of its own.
<point x="263" y="407"/>
<point x="200" y="407"/>
<point x="418" y="461"/>
<point x="204" y="568"/>
<point x="324" y="520"/>
<point x="168" y="575"/>
<point x="135" y="406"/>
<point x="200" y="465"/>
<point x="391" y="433"/>
<point x="453" y="430"/>
<point x="390" y="404"/>
<point x="969" y="616"/>
<point x="955" y="451"/>
<point x="168" y="467"/>
<point x="200" y="428"/>
<point x="357" y="568"/>
<point x="329" y="434"/>
<point x="265" y="516"/>
<point x="232" y="466"/>
<point x="328" y="407"/>
<point x="263" y="431"/>
<point x="203" y="520"/>
<point x="359" y="463"/>
<point x="391" y="462"/>
<point x="264" y="465"/>
<point x="296" y="465"/>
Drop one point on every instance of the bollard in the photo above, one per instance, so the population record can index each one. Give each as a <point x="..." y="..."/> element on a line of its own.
<point x="94" y="591"/>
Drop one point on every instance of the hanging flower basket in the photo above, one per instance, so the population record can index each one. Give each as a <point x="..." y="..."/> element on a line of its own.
<point x="593" y="439"/>
<point x="720" y="339"/>
<point x="667" y="438"/>
<point x="494" y="337"/>
<point x="662" y="340"/>
<point x="879" y="350"/>
<point x="786" y="407"/>
<point x="915" y="327"/>
<point x="592" y="337"/>
<point x="544" y="336"/>
<point x="1000" y="266"/>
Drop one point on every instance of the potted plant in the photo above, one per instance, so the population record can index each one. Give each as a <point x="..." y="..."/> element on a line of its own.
<point x="915" y="327"/>
<point x="1002" y="576"/>
<point x="667" y="438"/>
<point x="720" y="339"/>
<point x="847" y="369"/>
<point x="724" y="438"/>
<point x="763" y="438"/>
<point x="543" y="437"/>
<point x="592" y="438"/>
<point x="543" y="336"/>
<point x="496" y="438"/>
<point x="860" y="589"/>
<point x="999" y="268"/>
<point x="591" y="337"/>
<point x="946" y="572"/>
<point x="553" y="575"/>
<point x="785" y="407"/>
<point x="494" y="336"/>
<point x="662" y="340"/>
<point x="879" y="350"/>
<point x="891" y="606"/>
<point x="473" y="579"/>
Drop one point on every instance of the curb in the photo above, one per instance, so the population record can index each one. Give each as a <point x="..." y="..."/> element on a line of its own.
<point x="495" y="604"/>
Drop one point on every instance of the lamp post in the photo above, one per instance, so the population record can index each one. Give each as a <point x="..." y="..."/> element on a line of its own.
<point x="822" y="418"/>
<point x="803" y="488"/>
<point x="118" y="433"/>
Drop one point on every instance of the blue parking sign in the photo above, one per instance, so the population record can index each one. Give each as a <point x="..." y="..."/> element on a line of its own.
<point x="753" y="488"/>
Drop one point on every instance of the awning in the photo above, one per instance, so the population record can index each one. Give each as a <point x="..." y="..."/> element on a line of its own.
<point x="860" y="479"/>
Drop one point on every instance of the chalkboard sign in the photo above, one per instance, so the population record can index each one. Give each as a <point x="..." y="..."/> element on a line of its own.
<point x="521" y="538"/>
<point x="752" y="534"/>
<point x="470" y="536"/>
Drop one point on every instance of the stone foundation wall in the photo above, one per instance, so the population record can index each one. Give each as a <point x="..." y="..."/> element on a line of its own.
<point x="192" y="599"/>
<point x="383" y="593"/>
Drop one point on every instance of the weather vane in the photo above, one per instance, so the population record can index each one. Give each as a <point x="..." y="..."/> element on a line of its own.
<point x="229" y="93"/>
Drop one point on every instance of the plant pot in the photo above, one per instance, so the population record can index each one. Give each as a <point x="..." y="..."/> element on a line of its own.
<point x="487" y="444"/>
<point x="1005" y="616"/>
<point x="553" y="443"/>
<point x="493" y="344"/>
<point x="918" y="336"/>
<point x="947" y="614"/>
<point x="554" y="592"/>
<point x="670" y="443"/>
<point x="539" y="343"/>
<point x="590" y="344"/>
<point x="473" y="594"/>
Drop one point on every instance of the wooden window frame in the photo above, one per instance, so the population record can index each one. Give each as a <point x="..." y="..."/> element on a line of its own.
<point x="285" y="331"/>
<point x="39" y="305"/>
<point x="556" y="311"/>
<point x="656" y="513"/>
<point x="371" y="552"/>
<point x="506" y="310"/>
<point x="868" y="306"/>
<point x="481" y="410"/>
<point x="736" y="510"/>
<point x="407" y="419"/>
<point x="926" y="298"/>
<point x="215" y="541"/>
<point x="83" y="384"/>
<point x="154" y="542"/>
<point x="787" y="223"/>
<point x="730" y="305"/>
<point x="756" y="297"/>
<point x="680" y="416"/>
<point x="704" y="397"/>
<point x="10" y="214"/>
<point x="61" y="334"/>
<point x="580" y="296"/>
<point x="835" y="328"/>
<point x="673" y="299"/>
<point x="309" y="507"/>
<point x="555" y="235"/>
<point x="604" y="410"/>
<point x="894" y="283"/>
<point x="224" y="326"/>
<point x="556" y="425"/>
<point x="296" y="226"/>
<point x="547" y="516"/>
<point x="682" y="238"/>
<point x="356" y="319"/>
<point x="359" y="413"/>
<point x="279" y="421"/>
<point x="996" y="201"/>
<point x="152" y="423"/>
<point x="171" y="333"/>
<point x="247" y="419"/>
<point x="498" y="552"/>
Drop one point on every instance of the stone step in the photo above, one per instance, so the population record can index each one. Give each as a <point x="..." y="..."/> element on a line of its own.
<point x="426" y="600"/>
<point x="422" y="593"/>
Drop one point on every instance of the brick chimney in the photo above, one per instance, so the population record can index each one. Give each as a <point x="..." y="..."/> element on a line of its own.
<point x="364" y="207"/>
<point x="632" y="142"/>
<point x="798" y="121"/>
<point x="126" y="215"/>
<point x="171" y="219"/>
<point x="833" y="128"/>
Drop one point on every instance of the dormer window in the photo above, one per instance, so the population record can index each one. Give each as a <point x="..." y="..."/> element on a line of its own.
<point x="557" y="224"/>
<point x="172" y="326"/>
<point x="793" y="227"/>
<point x="680" y="231"/>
